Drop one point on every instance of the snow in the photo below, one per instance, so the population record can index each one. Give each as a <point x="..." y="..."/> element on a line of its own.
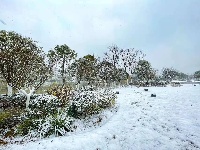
<point x="178" y="81"/>
<point x="171" y="120"/>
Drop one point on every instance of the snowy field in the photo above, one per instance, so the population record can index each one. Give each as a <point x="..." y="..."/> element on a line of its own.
<point x="169" y="121"/>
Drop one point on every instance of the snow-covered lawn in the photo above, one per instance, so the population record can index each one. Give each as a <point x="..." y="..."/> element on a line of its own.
<point x="169" y="121"/>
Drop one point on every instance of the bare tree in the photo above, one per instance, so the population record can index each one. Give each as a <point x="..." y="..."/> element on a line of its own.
<point x="129" y="60"/>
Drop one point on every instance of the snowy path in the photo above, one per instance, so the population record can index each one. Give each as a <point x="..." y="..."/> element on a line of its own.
<point x="169" y="121"/>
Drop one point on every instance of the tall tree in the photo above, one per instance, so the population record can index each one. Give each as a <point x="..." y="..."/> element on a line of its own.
<point x="129" y="59"/>
<point x="144" y="72"/>
<point x="121" y="75"/>
<point x="62" y="56"/>
<point x="113" y="55"/>
<point x="182" y="76"/>
<point x="169" y="74"/>
<point x="107" y="72"/>
<point x="85" y="69"/>
<point x="197" y="75"/>
<point x="22" y="63"/>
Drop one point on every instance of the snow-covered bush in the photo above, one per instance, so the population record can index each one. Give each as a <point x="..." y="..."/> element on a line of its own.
<point x="16" y="100"/>
<point x="57" y="124"/>
<point x="8" y="119"/>
<point x="43" y="105"/>
<point x="40" y="106"/>
<point x="48" y="116"/>
<point x="87" y="102"/>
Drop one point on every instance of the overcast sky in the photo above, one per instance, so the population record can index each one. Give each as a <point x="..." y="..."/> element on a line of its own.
<point x="167" y="31"/>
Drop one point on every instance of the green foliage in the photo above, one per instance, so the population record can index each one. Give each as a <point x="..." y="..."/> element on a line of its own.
<point x="62" y="56"/>
<point x="43" y="105"/>
<point x="182" y="76"/>
<point x="60" y="123"/>
<point x="107" y="71"/>
<point x="14" y="101"/>
<point x="197" y="74"/>
<point x="45" y="117"/>
<point x="87" y="103"/>
<point x="24" y="127"/>
<point x="144" y="72"/>
<point x="85" y="69"/>
<point x="73" y="111"/>
<point x="22" y="61"/>
<point x="53" y="124"/>
<point x="169" y="74"/>
<point x="9" y="118"/>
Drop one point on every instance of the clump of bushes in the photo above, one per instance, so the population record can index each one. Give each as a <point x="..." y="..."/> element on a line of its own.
<point x="9" y="118"/>
<point x="57" y="124"/>
<point x="88" y="102"/>
<point x="43" y="105"/>
<point x="16" y="100"/>
<point x="41" y="109"/>
<point x="53" y="113"/>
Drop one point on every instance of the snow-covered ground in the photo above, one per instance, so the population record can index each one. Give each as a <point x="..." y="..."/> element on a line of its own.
<point x="169" y="121"/>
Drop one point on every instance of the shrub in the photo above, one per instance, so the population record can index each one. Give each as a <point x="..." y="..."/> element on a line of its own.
<point x="16" y="100"/>
<point x="46" y="116"/>
<point x="9" y="118"/>
<point x="86" y="103"/>
<point x="27" y="125"/>
<point x="57" y="124"/>
<point x="43" y="105"/>
<point x="62" y="92"/>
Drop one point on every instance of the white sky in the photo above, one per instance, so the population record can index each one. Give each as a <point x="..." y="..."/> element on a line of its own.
<point x="167" y="31"/>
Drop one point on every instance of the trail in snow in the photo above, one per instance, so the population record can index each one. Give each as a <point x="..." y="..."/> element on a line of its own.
<point x="169" y="121"/>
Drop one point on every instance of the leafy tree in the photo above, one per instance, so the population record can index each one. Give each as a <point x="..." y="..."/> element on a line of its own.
<point x="169" y="74"/>
<point x="90" y="68"/>
<point x="105" y="71"/>
<point x="197" y="75"/>
<point x="85" y="69"/>
<point x="182" y="76"/>
<point x="144" y="72"/>
<point x="121" y="75"/>
<point x="62" y="56"/>
<point x="22" y="63"/>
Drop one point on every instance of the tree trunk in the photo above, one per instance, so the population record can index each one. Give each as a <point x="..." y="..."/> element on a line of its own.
<point x="78" y="86"/>
<point x="105" y="84"/>
<point x="127" y="81"/>
<point x="63" y="70"/>
<point x="28" y="100"/>
<point x="28" y="95"/>
<point x="10" y="91"/>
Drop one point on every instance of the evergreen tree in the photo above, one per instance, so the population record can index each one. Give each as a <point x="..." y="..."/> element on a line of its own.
<point x="62" y="56"/>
